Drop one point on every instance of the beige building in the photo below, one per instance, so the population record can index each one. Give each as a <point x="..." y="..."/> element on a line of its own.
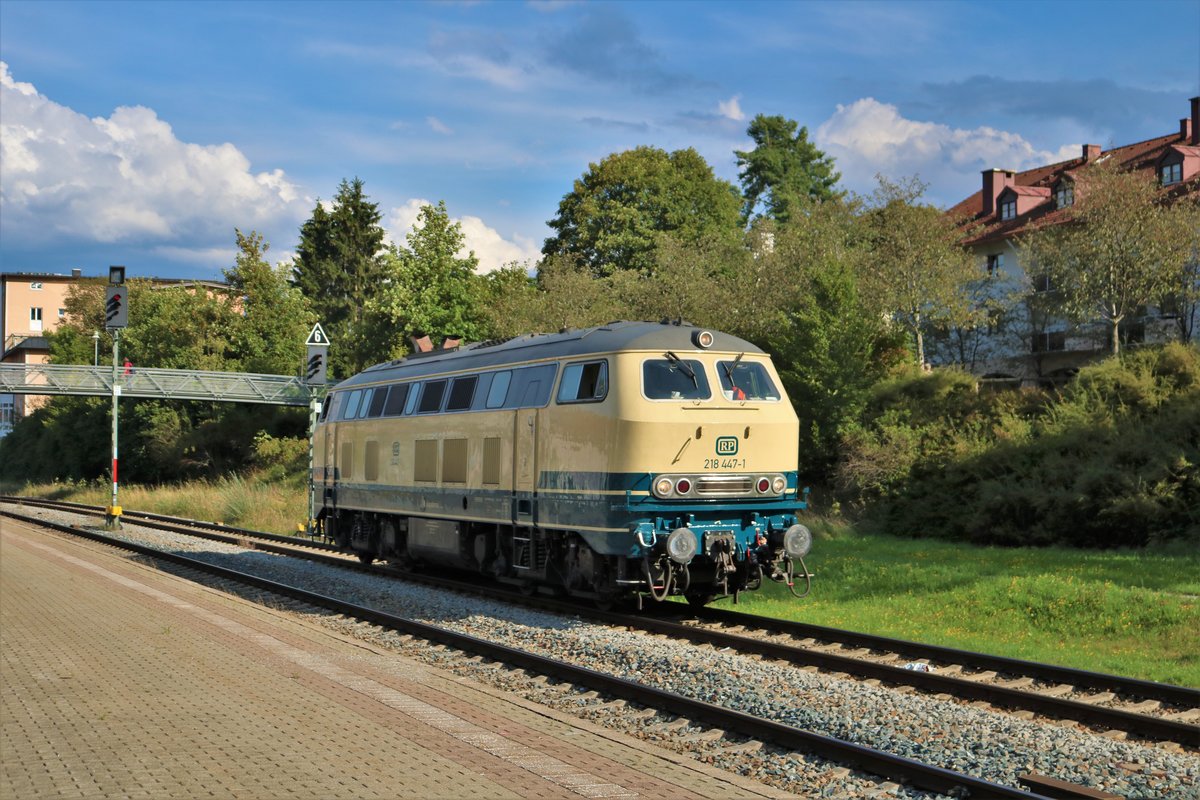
<point x="32" y="304"/>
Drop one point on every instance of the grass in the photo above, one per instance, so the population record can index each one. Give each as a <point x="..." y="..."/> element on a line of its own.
<point x="1134" y="613"/>
<point x="1127" y="612"/>
<point x="271" y="506"/>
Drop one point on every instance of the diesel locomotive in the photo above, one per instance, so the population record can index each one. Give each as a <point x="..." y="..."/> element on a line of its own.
<point x="629" y="460"/>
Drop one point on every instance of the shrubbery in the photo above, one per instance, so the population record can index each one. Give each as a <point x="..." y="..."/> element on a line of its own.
<point x="1112" y="461"/>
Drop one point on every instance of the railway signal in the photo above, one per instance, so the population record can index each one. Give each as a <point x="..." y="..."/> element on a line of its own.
<point x="314" y="372"/>
<point x="315" y="367"/>
<point x="116" y="308"/>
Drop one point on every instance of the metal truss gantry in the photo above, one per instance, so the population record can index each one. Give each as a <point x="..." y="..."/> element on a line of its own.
<point x="160" y="384"/>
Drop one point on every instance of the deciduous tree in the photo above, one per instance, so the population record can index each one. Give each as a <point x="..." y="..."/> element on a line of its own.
<point x="431" y="288"/>
<point x="610" y="219"/>
<point x="915" y="269"/>
<point x="275" y="318"/>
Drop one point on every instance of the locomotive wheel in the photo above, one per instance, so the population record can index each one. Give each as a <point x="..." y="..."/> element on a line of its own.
<point x="699" y="599"/>
<point x="366" y="558"/>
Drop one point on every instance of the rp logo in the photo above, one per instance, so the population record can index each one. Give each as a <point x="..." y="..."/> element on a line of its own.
<point x="727" y="445"/>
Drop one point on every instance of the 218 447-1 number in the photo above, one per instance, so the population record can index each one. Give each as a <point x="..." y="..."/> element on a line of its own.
<point x="724" y="463"/>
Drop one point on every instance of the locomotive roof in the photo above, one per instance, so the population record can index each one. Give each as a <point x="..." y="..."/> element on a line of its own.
<point x="614" y="336"/>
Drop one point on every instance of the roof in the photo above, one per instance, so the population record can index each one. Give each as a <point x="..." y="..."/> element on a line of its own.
<point x="1029" y="191"/>
<point x="615" y="336"/>
<point x="1039" y="181"/>
<point x="29" y="343"/>
<point x="44" y="276"/>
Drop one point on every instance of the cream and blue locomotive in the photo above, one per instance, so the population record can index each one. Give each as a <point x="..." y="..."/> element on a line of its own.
<point x="631" y="459"/>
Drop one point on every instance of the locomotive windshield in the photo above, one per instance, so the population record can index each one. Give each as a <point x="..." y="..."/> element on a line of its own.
<point x="674" y="378"/>
<point x="741" y="380"/>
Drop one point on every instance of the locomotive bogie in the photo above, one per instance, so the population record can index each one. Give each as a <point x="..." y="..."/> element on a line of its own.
<point x="581" y="462"/>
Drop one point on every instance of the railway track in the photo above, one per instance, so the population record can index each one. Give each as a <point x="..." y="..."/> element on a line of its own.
<point x="610" y="689"/>
<point x="1117" y="705"/>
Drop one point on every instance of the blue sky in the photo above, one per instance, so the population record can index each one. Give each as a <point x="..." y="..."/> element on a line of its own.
<point x="144" y="133"/>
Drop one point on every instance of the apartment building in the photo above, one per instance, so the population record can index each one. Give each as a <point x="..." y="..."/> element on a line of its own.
<point x="1029" y="344"/>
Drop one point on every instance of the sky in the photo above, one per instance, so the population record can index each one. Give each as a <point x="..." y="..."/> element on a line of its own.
<point x="144" y="133"/>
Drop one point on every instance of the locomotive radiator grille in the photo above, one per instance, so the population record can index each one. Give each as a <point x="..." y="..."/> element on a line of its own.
<point x="724" y="485"/>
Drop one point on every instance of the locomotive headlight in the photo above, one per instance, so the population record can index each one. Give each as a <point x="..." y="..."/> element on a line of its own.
<point x="663" y="487"/>
<point x="797" y="541"/>
<point x="681" y="545"/>
<point x="763" y="485"/>
<point x="683" y="486"/>
<point x="779" y="484"/>
<point x="703" y="339"/>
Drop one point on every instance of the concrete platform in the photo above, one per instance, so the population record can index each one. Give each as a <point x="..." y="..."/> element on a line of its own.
<point x="117" y="680"/>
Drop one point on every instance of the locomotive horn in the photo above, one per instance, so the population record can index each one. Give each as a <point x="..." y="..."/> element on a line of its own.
<point x="421" y="343"/>
<point x="451" y="341"/>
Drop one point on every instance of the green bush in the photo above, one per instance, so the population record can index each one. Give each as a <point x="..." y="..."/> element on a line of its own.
<point x="1111" y="462"/>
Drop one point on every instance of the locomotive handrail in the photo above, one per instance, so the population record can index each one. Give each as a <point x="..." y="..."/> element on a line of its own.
<point x="161" y="384"/>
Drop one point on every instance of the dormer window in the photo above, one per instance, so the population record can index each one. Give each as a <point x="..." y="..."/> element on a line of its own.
<point x="1008" y="209"/>
<point x="1064" y="195"/>
<point x="1170" y="173"/>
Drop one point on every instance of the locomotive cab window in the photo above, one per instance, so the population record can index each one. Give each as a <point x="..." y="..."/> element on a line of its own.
<point x="742" y="380"/>
<point x="584" y="383"/>
<point x="674" y="378"/>
<point x="332" y="405"/>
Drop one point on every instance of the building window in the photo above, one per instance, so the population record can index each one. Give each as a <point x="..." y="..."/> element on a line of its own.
<point x="1171" y="173"/>
<point x="995" y="264"/>
<point x="35" y="319"/>
<point x="62" y="312"/>
<point x="1064" y="196"/>
<point x="995" y="322"/>
<point x="36" y="286"/>
<point x="1049" y="341"/>
<point x="1043" y="283"/>
<point x="1008" y="209"/>
<point x="1132" y="332"/>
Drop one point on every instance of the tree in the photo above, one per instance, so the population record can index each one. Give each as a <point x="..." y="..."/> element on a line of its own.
<point x="916" y="270"/>
<point x="610" y="219"/>
<point x="269" y="335"/>
<point x="339" y="266"/>
<point x="430" y="288"/>
<point x="783" y="169"/>
<point x="1122" y="247"/>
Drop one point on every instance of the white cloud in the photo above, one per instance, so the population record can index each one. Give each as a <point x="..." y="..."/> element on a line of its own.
<point x="437" y="126"/>
<point x="731" y="108"/>
<point x="489" y="246"/>
<point x="868" y="137"/>
<point x="125" y="178"/>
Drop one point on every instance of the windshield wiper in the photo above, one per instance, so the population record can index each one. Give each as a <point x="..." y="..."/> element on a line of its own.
<point x="682" y="367"/>
<point x="729" y="369"/>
